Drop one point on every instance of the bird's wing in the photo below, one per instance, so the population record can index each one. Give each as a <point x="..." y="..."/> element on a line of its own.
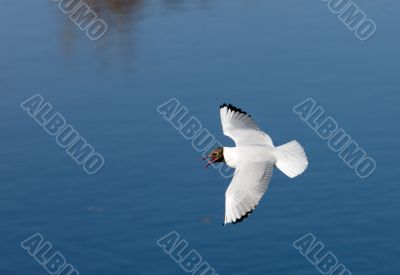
<point x="240" y="127"/>
<point x="249" y="183"/>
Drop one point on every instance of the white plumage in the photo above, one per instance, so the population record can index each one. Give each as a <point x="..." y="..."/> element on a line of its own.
<point x="253" y="159"/>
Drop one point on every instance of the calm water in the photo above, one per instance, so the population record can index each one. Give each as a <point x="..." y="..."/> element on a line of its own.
<point x="265" y="57"/>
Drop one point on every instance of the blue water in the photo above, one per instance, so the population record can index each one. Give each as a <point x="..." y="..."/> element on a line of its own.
<point x="264" y="57"/>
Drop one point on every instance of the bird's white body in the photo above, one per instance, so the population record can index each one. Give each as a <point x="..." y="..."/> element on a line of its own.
<point x="249" y="153"/>
<point x="253" y="159"/>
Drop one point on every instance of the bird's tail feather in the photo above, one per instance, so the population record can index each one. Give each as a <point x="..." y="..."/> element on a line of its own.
<point x="291" y="159"/>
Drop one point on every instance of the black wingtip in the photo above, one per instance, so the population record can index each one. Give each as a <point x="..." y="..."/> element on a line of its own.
<point x="243" y="217"/>
<point x="233" y="108"/>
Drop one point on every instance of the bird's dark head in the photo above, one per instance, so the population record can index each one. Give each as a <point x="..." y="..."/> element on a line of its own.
<point x="216" y="155"/>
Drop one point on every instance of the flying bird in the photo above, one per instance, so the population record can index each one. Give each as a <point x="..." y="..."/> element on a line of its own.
<point x="253" y="159"/>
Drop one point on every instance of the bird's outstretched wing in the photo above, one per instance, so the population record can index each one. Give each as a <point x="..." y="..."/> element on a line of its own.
<point x="249" y="183"/>
<point x="240" y="127"/>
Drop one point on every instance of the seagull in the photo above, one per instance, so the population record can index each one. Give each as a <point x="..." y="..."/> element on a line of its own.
<point x="253" y="159"/>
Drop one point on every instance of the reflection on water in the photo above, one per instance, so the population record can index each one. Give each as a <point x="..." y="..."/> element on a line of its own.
<point x="114" y="6"/>
<point x="180" y="4"/>
<point x="117" y="45"/>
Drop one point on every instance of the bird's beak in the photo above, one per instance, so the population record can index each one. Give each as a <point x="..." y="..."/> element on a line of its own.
<point x="211" y="160"/>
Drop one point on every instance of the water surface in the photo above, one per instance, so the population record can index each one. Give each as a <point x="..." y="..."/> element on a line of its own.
<point x="264" y="57"/>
